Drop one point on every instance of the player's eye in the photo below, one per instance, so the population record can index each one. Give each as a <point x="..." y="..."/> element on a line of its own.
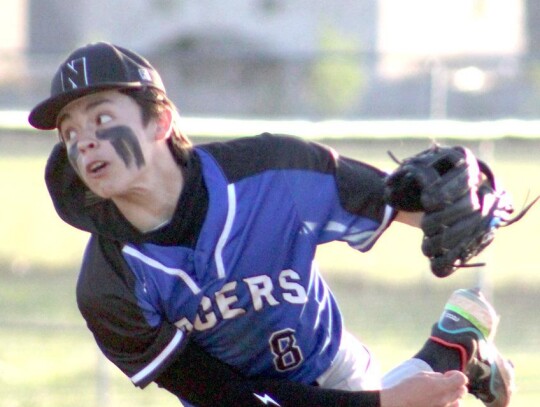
<point x="103" y="119"/>
<point x="69" y="135"/>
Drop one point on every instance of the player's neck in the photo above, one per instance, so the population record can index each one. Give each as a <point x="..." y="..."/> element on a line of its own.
<point x="152" y="205"/>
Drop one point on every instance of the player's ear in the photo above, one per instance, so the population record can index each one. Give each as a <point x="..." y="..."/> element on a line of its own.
<point x="164" y="124"/>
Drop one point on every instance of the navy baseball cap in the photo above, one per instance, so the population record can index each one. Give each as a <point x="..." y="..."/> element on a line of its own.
<point x="89" y="69"/>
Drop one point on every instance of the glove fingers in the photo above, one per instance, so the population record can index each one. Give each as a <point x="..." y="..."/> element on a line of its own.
<point x="434" y="222"/>
<point x="446" y="263"/>
<point x="450" y="187"/>
<point x="432" y="179"/>
<point x="441" y="267"/>
<point x="451" y="237"/>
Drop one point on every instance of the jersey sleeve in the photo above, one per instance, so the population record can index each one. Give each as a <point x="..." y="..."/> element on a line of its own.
<point x="105" y="297"/>
<point x="204" y="381"/>
<point x="337" y="197"/>
<point x="362" y="214"/>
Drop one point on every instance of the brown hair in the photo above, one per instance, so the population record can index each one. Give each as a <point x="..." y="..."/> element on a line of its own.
<point x="152" y="103"/>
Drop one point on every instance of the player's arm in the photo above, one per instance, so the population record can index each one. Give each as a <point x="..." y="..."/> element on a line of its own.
<point x="361" y="189"/>
<point x="204" y="381"/>
<point x="409" y="218"/>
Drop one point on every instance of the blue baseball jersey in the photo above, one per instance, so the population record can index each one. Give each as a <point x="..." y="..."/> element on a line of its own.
<point x="234" y="270"/>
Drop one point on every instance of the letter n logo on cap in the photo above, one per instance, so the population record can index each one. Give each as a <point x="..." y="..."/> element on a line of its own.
<point x="74" y="74"/>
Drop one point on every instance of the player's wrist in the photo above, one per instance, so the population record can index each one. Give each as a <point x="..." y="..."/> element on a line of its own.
<point x="390" y="398"/>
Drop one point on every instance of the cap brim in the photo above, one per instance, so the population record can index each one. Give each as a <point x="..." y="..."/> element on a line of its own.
<point x="45" y="114"/>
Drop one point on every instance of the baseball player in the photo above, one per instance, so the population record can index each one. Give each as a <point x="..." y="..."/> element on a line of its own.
<point x="199" y="274"/>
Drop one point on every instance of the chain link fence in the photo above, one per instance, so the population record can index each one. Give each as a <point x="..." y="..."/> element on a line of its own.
<point x="236" y="83"/>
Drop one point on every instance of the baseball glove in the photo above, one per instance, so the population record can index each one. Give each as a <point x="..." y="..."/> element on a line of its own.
<point x="462" y="204"/>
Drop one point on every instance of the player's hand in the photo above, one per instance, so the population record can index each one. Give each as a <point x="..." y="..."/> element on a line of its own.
<point x="427" y="390"/>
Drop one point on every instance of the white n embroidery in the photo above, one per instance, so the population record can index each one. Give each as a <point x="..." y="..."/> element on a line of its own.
<point x="74" y="74"/>
<point x="145" y="74"/>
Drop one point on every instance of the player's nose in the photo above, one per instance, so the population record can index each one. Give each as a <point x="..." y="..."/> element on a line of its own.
<point x="87" y="140"/>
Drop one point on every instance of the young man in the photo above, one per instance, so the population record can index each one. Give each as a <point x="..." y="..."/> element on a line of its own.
<point x="200" y="275"/>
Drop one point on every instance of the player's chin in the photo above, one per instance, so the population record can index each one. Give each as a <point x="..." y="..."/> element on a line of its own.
<point x="102" y="188"/>
<point x="105" y="184"/>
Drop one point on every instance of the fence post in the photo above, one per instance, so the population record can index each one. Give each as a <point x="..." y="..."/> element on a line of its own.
<point x="486" y="152"/>
<point x="102" y="380"/>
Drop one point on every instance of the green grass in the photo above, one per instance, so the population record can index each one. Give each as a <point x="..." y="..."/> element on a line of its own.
<point x="388" y="295"/>
<point x="48" y="358"/>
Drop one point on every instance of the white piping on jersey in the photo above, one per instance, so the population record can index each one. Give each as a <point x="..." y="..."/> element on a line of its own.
<point x="388" y="212"/>
<point x="365" y="237"/>
<point x="334" y="226"/>
<point x="157" y="265"/>
<point x="154" y="364"/>
<point x="231" y="213"/>
<point x="309" y="227"/>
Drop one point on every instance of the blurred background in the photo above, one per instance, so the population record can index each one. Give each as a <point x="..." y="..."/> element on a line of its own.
<point x="363" y="76"/>
<point x="466" y="59"/>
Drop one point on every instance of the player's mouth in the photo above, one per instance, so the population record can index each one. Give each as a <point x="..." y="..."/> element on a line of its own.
<point x="96" y="168"/>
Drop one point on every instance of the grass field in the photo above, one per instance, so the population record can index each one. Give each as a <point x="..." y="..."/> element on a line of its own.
<point x="388" y="296"/>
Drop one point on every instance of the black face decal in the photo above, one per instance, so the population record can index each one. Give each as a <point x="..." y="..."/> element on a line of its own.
<point x="125" y="143"/>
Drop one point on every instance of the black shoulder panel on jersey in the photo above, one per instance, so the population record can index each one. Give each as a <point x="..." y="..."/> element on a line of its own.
<point x="247" y="156"/>
<point x="359" y="184"/>
<point x="106" y="299"/>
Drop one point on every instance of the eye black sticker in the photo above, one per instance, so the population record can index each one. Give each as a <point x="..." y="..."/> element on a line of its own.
<point x="125" y="143"/>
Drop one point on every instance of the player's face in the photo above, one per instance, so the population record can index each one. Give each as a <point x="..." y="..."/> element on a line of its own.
<point x="107" y="143"/>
